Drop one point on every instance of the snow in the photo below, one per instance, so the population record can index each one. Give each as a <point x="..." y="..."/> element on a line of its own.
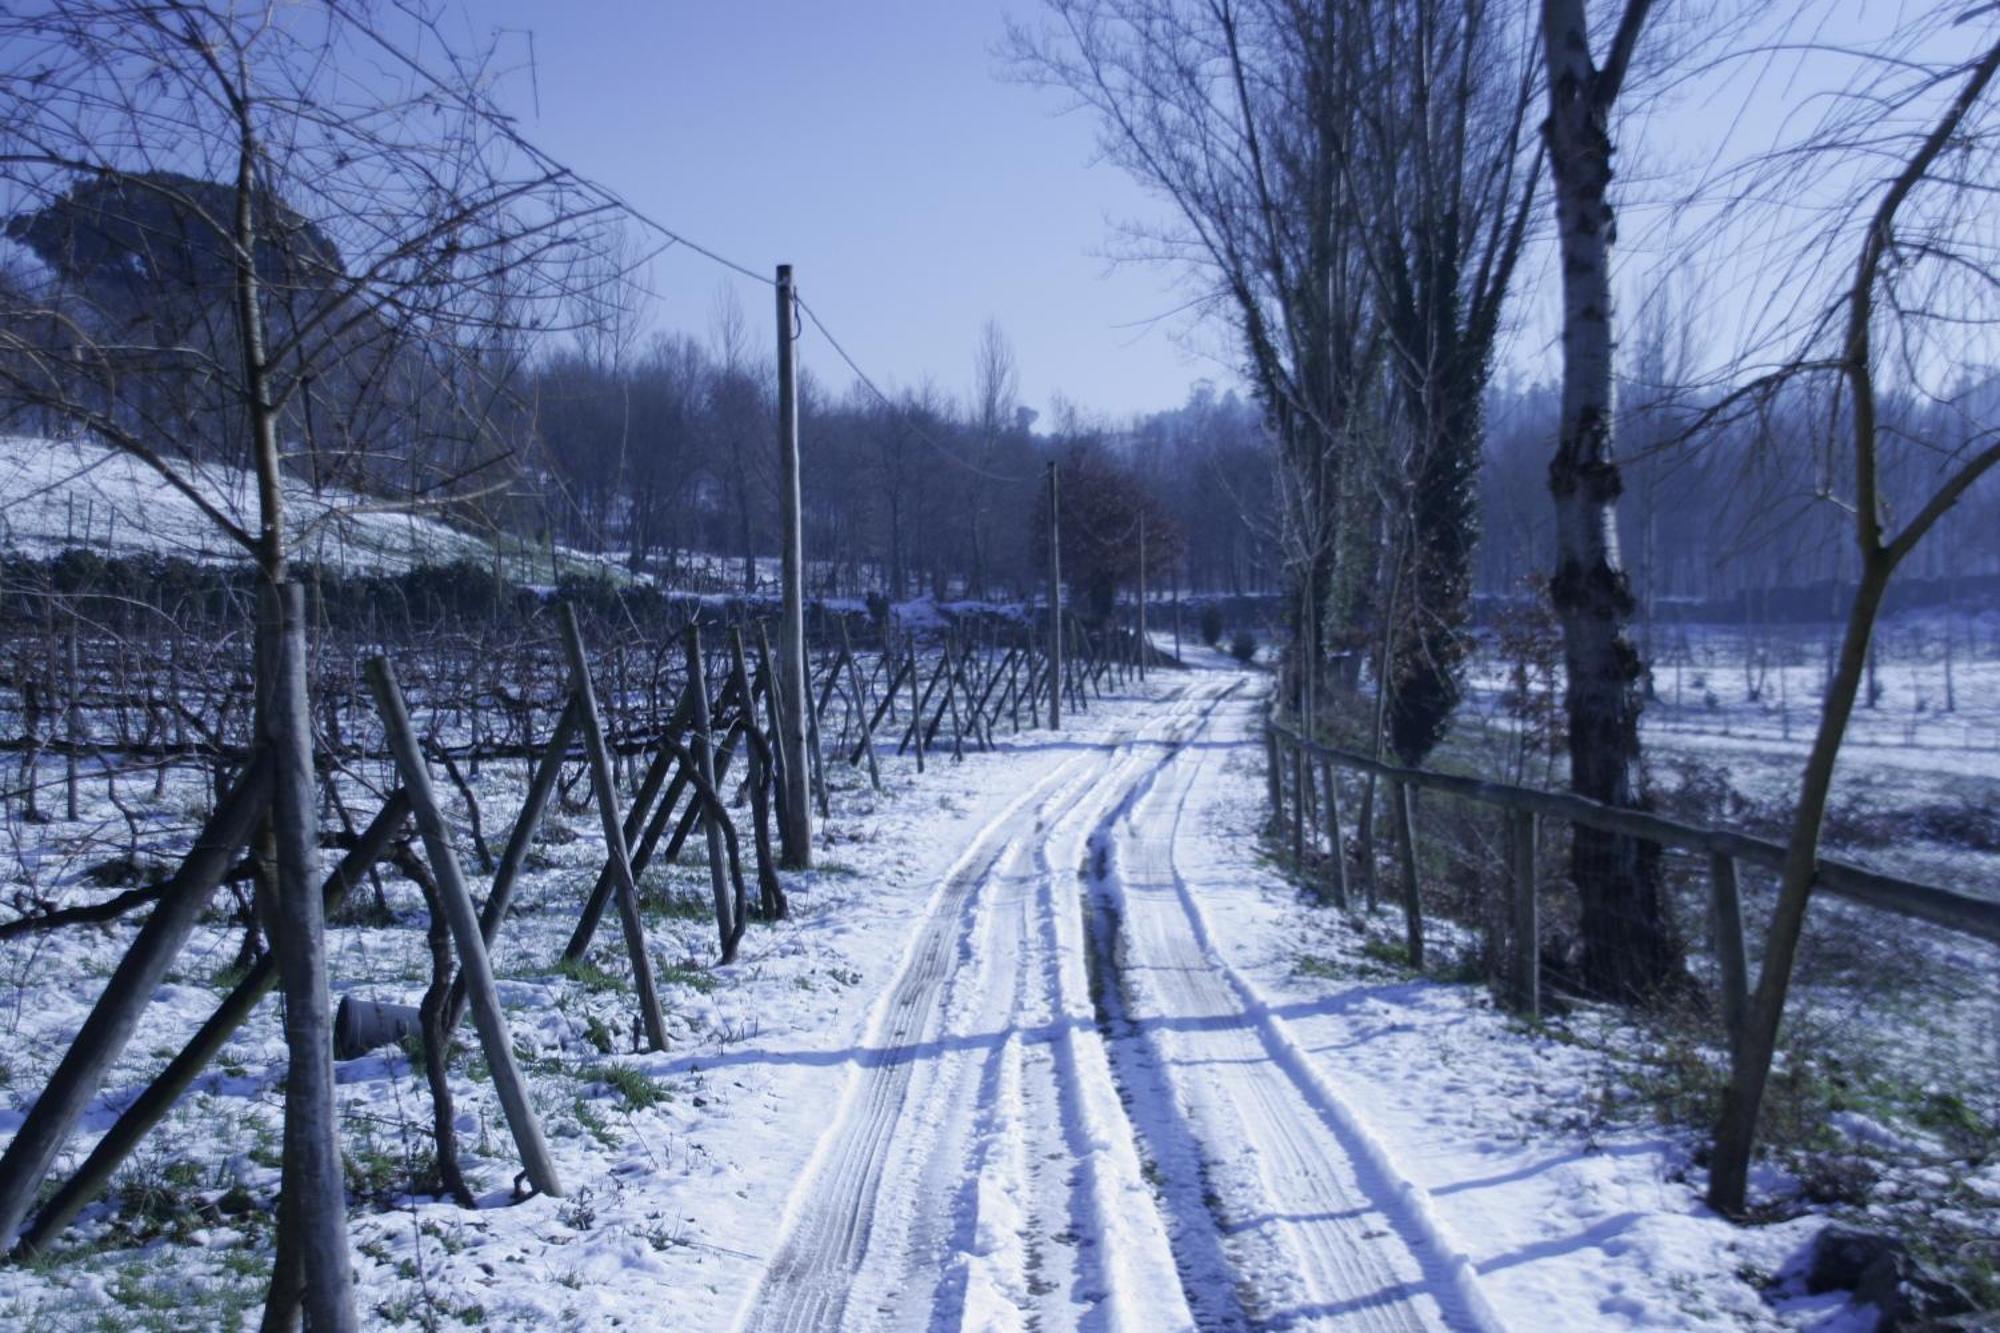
<point x="57" y="495"/>
<point x="1047" y="1043"/>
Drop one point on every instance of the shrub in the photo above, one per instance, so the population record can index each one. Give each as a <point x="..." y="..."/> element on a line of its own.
<point x="1211" y="624"/>
<point x="1243" y="647"/>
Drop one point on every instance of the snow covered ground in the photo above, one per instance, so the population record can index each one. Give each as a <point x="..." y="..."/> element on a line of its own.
<point x="57" y="495"/>
<point x="1046" y="1044"/>
<point x="1917" y="789"/>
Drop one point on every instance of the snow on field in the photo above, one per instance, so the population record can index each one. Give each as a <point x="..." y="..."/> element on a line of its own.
<point x="1918" y="779"/>
<point x="60" y="494"/>
<point x="1047" y="1043"/>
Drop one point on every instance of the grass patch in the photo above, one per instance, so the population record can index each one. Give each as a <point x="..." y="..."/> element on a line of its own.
<point x="1318" y="968"/>
<point x="686" y="974"/>
<point x="590" y="976"/>
<point x="635" y="1086"/>
<point x="679" y="907"/>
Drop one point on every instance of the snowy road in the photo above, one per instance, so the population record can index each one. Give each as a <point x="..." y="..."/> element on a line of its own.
<point x="1069" y="1113"/>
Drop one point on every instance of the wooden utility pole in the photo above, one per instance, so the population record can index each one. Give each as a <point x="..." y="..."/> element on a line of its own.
<point x="1142" y="594"/>
<point x="1055" y="602"/>
<point x="795" y="834"/>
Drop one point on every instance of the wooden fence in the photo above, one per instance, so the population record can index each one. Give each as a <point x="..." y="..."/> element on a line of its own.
<point x="1306" y="806"/>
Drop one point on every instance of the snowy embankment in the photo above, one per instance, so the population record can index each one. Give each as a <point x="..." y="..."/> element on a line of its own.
<point x="58" y="495"/>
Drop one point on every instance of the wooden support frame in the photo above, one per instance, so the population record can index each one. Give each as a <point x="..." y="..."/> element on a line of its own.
<point x="487" y="1016"/>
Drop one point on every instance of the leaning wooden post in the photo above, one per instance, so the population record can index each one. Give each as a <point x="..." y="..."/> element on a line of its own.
<point x="860" y="706"/>
<point x="704" y="767"/>
<point x="151" y="1105"/>
<point x="916" y="708"/>
<point x="1525" y="924"/>
<point x="105" y="1034"/>
<point x="795" y="827"/>
<point x="540" y="787"/>
<point x="1406" y="847"/>
<point x="1055" y="602"/>
<point x="1335" y="852"/>
<point x="770" y="893"/>
<point x="624" y="889"/>
<point x="487" y="1015"/>
<point x="1727" y="921"/>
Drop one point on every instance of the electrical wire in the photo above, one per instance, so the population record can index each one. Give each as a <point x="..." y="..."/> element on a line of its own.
<point x="941" y="449"/>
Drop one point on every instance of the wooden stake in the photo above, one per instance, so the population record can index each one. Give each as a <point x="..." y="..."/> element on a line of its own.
<point x="624" y="889"/>
<point x="1526" y="923"/>
<point x="495" y="909"/>
<point x="487" y="1015"/>
<point x="704" y="765"/>
<point x="105" y="1034"/>
<point x="867" y="746"/>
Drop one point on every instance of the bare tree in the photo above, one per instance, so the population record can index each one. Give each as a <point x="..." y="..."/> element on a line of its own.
<point x="1440" y="167"/>
<point x="1924" y="277"/>
<point x="1232" y="111"/>
<point x="253" y="253"/>
<point x="995" y="386"/>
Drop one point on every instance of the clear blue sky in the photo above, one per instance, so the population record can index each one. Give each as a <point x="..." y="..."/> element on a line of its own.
<point x="876" y="147"/>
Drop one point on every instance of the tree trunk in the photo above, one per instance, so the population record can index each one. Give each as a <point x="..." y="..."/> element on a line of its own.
<point x="1627" y="950"/>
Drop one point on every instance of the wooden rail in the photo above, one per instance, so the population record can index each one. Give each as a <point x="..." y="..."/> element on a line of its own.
<point x="1923" y="902"/>
<point x="1723" y="849"/>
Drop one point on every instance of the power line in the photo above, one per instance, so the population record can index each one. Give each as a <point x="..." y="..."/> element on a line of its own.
<point x="948" y="454"/>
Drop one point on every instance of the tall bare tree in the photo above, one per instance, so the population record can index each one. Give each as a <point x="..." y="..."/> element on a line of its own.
<point x="1923" y="279"/>
<point x="1441" y="169"/>
<point x="995" y="390"/>
<point x="1231" y="111"/>
<point x="251" y="251"/>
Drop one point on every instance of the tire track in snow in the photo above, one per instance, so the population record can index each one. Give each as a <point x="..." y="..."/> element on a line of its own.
<point x="833" y="1215"/>
<point x="1318" y="1225"/>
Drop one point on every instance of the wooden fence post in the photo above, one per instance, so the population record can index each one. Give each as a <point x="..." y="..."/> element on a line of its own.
<point x="1406" y="846"/>
<point x="860" y="707"/>
<point x="1525" y="919"/>
<point x="1364" y="832"/>
<point x="487" y="1015"/>
<point x="1274" y="776"/>
<point x="1298" y="808"/>
<point x="1335" y="852"/>
<point x="1726" y="918"/>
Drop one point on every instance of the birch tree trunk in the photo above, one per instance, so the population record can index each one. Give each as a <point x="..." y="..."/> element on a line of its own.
<point x="1627" y="949"/>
